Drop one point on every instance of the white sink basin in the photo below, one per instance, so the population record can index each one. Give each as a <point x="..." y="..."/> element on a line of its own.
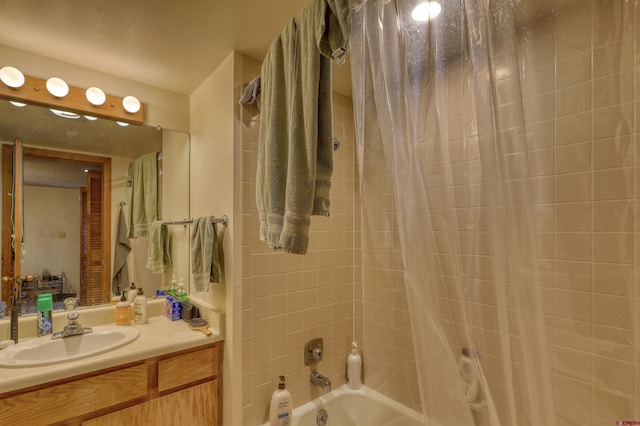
<point x="44" y="350"/>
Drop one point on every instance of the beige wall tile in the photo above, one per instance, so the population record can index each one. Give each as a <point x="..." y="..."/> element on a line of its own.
<point x="573" y="70"/>
<point x="573" y="158"/>
<point x="574" y="187"/>
<point x="573" y="217"/>
<point x="576" y="98"/>
<point x="573" y="128"/>
<point x="613" y="184"/>
<point x="613" y="152"/>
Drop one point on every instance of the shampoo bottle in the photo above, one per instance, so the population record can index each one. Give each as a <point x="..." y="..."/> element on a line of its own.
<point x="140" y="308"/>
<point x="280" y="412"/>
<point x="354" y="368"/>
<point x="123" y="311"/>
<point x="469" y="376"/>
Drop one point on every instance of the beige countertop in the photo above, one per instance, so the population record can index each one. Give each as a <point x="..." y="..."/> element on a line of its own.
<point x="159" y="336"/>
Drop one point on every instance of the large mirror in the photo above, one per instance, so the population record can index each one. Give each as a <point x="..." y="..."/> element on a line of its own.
<point x="76" y="174"/>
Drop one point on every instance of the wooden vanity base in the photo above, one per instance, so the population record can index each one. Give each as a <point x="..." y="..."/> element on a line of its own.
<point x="178" y="388"/>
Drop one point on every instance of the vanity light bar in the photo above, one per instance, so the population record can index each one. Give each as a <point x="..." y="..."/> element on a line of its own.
<point x="34" y="91"/>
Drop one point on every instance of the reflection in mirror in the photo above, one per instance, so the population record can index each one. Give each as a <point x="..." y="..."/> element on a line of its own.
<point x="75" y="183"/>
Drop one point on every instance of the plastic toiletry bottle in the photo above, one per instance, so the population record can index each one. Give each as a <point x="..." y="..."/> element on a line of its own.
<point x="173" y="287"/>
<point x="132" y="293"/>
<point x="123" y="311"/>
<point x="116" y="297"/>
<point x="181" y="293"/>
<point x="140" y="308"/>
<point x="354" y="368"/>
<point x="45" y="321"/>
<point x="281" y="410"/>
<point x="469" y="376"/>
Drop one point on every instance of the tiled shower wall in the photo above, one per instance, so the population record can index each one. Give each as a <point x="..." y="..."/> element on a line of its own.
<point x="288" y="299"/>
<point x="581" y="105"/>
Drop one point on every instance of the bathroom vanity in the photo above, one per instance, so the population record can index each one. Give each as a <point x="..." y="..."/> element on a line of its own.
<point x="169" y="375"/>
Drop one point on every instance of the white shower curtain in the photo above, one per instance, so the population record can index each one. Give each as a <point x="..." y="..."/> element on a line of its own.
<point x="446" y="200"/>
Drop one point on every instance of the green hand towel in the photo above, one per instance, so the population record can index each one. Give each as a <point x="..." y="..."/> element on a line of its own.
<point x="295" y="149"/>
<point x="205" y="260"/>
<point x="159" y="252"/>
<point x="143" y="180"/>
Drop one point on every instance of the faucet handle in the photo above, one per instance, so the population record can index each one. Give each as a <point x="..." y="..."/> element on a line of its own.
<point x="317" y="353"/>
<point x="73" y="316"/>
<point x="313" y="351"/>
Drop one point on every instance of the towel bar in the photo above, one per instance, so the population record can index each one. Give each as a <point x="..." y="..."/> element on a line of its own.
<point x="224" y="220"/>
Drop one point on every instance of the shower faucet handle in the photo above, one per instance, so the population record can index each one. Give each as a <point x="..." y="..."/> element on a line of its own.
<point x="317" y="353"/>
<point x="313" y="351"/>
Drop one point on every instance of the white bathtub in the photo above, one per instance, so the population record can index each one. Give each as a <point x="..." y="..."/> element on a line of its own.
<point x="362" y="407"/>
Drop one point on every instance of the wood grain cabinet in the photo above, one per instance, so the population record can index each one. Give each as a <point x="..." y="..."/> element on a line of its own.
<point x="174" y="389"/>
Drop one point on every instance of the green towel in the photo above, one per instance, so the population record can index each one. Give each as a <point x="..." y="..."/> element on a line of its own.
<point x="205" y="259"/>
<point x="121" y="252"/>
<point x="159" y="252"/>
<point x="295" y="149"/>
<point x="145" y="201"/>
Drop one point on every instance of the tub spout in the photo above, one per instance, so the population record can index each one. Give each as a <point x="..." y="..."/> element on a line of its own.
<point x="320" y="380"/>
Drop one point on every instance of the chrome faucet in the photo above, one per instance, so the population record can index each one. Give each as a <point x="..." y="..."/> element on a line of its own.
<point x="320" y="380"/>
<point x="73" y="327"/>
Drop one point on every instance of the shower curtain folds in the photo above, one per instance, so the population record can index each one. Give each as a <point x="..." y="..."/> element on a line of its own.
<point x="440" y="135"/>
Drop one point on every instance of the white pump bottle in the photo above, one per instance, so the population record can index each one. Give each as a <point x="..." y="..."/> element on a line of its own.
<point x="281" y="410"/>
<point x="354" y="368"/>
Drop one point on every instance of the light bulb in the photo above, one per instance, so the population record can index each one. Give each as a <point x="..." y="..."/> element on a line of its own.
<point x="12" y="77"/>
<point x="426" y="11"/>
<point x="131" y="104"/>
<point x="121" y="123"/>
<point x="95" y="96"/>
<point x="18" y="104"/>
<point x="65" y="114"/>
<point x="57" y="87"/>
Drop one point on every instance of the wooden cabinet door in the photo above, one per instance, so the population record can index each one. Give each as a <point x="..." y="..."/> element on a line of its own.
<point x="195" y="406"/>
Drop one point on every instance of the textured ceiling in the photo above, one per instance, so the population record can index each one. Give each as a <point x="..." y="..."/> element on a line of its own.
<point x="171" y="44"/>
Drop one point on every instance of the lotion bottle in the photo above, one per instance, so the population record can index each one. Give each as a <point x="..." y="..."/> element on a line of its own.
<point x="123" y="311"/>
<point x="140" y="308"/>
<point x="468" y="375"/>
<point x="281" y="410"/>
<point x="354" y="368"/>
<point x="132" y="293"/>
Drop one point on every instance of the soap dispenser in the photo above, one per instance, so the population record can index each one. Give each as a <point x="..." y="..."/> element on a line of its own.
<point x="280" y="411"/>
<point x="123" y="311"/>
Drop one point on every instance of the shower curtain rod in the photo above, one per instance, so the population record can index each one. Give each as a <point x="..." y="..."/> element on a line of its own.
<point x="224" y="220"/>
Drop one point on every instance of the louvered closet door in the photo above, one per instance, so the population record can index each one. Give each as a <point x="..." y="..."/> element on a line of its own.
<point x="92" y="267"/>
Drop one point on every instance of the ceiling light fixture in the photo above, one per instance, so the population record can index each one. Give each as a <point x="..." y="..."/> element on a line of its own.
<point x="131" y="104"/>
<point x="426" y="11"/>
<point x="57" y="94"/>
<point x="57" y="87"/>
<point x="12" y="77"/>
<point x="95" y="96"/>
